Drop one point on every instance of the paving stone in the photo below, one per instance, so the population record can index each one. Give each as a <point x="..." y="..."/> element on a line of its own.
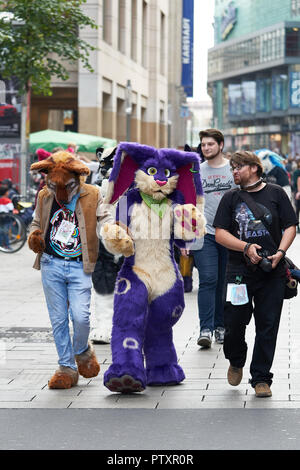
<point x="28" y="358"/>
<point x="21" y="395"/>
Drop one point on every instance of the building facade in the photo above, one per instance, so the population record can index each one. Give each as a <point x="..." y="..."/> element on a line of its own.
<point x="128" y="95"/>
<point x="254" y="74"/>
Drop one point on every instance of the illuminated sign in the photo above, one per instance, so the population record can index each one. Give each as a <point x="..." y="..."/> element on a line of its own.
<point x="228" y="20"/>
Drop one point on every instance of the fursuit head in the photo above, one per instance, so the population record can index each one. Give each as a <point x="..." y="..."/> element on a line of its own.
<point x="65" y="175"/>
<point x="159" y="201"/>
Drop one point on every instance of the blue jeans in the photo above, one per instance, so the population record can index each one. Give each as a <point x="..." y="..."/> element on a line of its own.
<point x="67" y="288"/>
<point x="211" y="265"/>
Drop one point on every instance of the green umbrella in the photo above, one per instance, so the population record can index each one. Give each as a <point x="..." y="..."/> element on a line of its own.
<point x="49" y="139"/>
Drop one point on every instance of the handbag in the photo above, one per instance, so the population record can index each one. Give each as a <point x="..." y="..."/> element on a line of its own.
<point x="291" y="285"/>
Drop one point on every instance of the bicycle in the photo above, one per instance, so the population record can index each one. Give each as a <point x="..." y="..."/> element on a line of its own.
<point x="13" y="233"/>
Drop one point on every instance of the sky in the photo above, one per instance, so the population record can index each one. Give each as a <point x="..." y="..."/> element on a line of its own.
<point x="203" y="40"/>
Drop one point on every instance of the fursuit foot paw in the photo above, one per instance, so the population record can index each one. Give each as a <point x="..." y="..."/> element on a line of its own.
<point x="87" y="363"/>
<point x="124" y="380"/>
<point x="189" y="222"/>
<point x="165" y="375"/>
<point x="64" y="377"/>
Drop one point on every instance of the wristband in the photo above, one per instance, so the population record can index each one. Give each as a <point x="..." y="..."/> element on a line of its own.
<point x="246" y="248"/>
<point x="282" y="251"/>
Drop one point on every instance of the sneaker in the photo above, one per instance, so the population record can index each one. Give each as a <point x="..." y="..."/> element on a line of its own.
<point x="262" y="390"/>
<point x="234" y="375"/>
<point x="205" y="338"/>
<point x="219" y="335"/>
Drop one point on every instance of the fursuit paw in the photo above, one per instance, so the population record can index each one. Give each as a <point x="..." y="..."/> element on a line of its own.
<point x="165" y="375"/>
<point x="189" y="222"/>
<point x="64" y="377"/>
<point x="124" y="384"/>
<point x="87" y="363"/>
<point x="36" y="241"/>
<point x="124" y="379"/>
<point x="116" y="240"/>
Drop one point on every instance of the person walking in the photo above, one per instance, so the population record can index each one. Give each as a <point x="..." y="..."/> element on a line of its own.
<point x="209" y="256"/>
<point x="64" y="236"/>
<point x="6" y="207"/>
<point x="255" y="276"/>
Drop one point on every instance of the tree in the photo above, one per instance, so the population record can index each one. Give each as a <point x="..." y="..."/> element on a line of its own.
<point x="36" y="39"/>
<point x="42" y="33"/>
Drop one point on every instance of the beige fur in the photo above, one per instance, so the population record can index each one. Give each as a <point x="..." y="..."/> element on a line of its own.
<point x="148" y="185"/>
<point x="151" y="235"/>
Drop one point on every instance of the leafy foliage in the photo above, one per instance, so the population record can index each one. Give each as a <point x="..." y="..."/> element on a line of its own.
<point x="42" y="35"/>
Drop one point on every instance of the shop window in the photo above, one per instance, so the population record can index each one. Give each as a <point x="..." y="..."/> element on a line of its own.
<point x="292" y="42"/>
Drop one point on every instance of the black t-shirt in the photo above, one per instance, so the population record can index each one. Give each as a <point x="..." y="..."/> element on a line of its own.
<point x="72" y="248"/>
<point x="280" y="176"/>
<point x="234" y="215"/>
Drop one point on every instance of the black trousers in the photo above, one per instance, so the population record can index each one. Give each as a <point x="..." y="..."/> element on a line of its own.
<point x="266" y="293"/>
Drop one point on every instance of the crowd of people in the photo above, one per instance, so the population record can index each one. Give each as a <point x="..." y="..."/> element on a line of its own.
<point x="233" y="282"/>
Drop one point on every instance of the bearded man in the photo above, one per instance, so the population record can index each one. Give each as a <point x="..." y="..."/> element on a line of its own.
<point x="209" y="256"/>
<point x="256" y="273"/>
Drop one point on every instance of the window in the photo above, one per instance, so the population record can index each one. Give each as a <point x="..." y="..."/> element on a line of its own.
<point x="133" y="46"/>
<point x="121" y="26"/>
<point x="257" y="50"/>
<point x="292" y="42"/>
<point x="162" y="43"/>
<point x="106" y="21"/>
<point x="144" y="34"/>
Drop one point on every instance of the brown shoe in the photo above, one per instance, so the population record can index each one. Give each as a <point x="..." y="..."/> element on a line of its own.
<point x="262" y="390"/>
<point x="234" y="375"/>
<point x="64" y="377"/>
<point x="87" y="363"/>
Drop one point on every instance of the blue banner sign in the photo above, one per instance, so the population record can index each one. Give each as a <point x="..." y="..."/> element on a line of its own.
<point x="294" y="89"/>
<point x="187" y="46"/>
<point x="234" y="99"/>
<point x="279" y="92"/>
<point x="263" y="94"/>
<point x="248" y="97"/>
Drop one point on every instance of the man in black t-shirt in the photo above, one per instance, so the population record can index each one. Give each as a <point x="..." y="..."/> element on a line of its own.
<point x="247" y="279"/>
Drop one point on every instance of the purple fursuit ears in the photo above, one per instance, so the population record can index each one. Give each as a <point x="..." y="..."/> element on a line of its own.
<point x="160" y="202"/>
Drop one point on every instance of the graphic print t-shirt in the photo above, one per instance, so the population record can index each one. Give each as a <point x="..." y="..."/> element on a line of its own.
<point x="71" y="249"/>
<point x="234" y="215"/>
<point x="215" y="181"/>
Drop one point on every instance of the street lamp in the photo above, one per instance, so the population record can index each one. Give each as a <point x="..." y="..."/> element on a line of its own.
<point x="128" y="109"/>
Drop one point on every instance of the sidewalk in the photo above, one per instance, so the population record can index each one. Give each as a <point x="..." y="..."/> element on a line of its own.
<point x="28" y="356"/>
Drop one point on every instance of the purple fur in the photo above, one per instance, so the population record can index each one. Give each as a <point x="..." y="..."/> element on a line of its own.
<point x="145" y="156"/>
<point x="142" y="329"/>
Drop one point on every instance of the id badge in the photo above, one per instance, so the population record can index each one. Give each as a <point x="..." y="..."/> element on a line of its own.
<point x="239" y="294"/>
<point x="64" y="232"/>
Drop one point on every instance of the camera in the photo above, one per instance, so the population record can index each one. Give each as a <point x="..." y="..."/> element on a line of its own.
<point x="265" y="264"/>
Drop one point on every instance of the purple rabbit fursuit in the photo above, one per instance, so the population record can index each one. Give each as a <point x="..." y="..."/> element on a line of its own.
<point x="159" y="202"/>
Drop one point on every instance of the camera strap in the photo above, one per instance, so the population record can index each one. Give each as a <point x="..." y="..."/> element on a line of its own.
<point x="255" y="209"/>
<point x="259" y="214"/>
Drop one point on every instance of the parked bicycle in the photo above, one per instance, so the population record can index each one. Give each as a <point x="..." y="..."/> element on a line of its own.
<point x="13" y="233"/>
